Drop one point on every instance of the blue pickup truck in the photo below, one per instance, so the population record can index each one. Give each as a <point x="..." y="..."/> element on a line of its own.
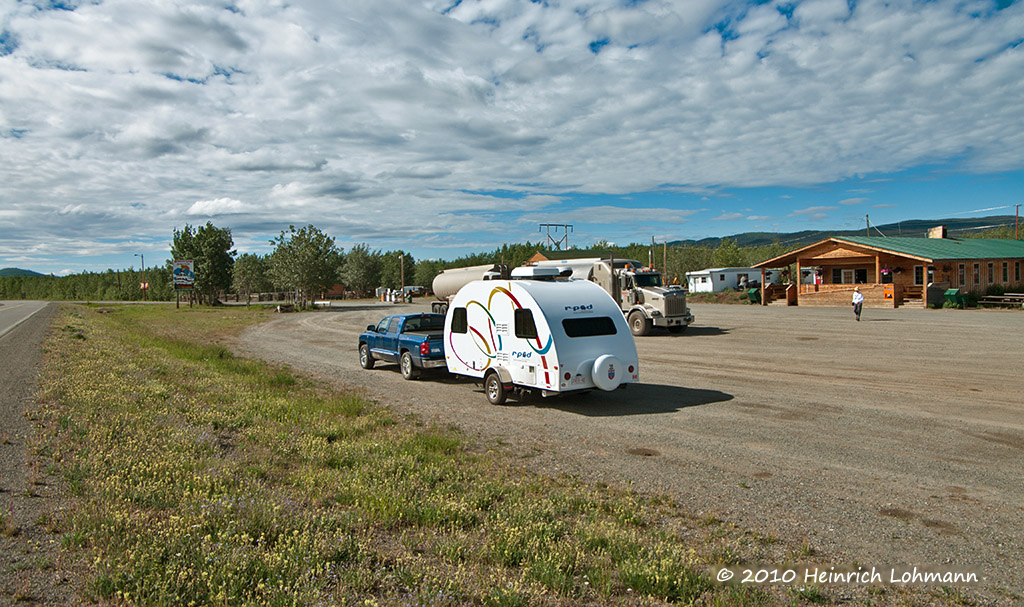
<point x="414" y="341"/>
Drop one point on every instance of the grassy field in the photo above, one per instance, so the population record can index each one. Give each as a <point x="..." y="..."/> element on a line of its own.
<point x="200" y="478"/>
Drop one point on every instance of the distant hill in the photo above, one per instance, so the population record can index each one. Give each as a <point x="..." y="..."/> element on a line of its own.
<point x="914" y="228"/>
<point x="18" y="272"/>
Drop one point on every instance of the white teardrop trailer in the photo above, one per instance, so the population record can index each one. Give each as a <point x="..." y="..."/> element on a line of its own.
<point x="536" y="333"/>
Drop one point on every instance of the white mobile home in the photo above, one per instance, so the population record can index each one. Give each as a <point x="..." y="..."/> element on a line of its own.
<point x="539" y="334"/>
<point x="713" y="280"/>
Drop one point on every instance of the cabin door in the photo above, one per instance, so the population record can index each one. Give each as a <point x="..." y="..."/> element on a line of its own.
<point x="847" y="277"/>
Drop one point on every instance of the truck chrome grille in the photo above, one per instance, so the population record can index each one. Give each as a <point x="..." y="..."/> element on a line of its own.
<point x="675" y="306"/>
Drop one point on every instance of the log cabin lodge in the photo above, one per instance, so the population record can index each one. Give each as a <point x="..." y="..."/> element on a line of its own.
<point x="895" y="271"/>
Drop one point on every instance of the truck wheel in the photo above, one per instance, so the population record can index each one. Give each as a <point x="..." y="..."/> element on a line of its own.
<point x="496" y="392"/>
<point x="677" y="328"/>
<point x="365" y="360"/>
<point x="409" y="370"/>
<point x="639" y="324"/>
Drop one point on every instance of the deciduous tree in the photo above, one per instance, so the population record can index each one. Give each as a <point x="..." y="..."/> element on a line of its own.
<point x="306" y="260"/>
<point x="251" y="274"/>
<point x="210" y="249"/>
<point x="361" y="269"/>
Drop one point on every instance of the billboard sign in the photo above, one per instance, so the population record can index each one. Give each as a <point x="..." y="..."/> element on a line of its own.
<point x="184" y="277"/>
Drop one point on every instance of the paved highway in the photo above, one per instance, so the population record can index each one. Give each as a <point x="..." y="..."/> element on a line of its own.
<point x="13" y="313"/>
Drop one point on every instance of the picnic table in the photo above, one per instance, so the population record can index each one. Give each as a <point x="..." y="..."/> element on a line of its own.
<point x="1013" y="300"/>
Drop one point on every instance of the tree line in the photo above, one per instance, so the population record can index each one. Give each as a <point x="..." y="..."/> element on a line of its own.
<point x="308" y="262"/>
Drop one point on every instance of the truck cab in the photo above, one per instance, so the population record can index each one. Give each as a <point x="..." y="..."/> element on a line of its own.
<point x="644" y="299"/>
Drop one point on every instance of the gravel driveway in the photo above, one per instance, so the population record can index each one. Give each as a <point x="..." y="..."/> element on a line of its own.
<point x="895" y="441"/>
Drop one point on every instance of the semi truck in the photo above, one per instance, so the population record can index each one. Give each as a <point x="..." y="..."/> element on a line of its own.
<point x="644" y="299"/>
<point x="640" y="291"/>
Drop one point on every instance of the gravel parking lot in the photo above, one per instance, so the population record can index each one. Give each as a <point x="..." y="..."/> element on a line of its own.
<point x="895" y="441"/>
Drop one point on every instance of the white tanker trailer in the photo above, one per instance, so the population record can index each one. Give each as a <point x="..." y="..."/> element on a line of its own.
<point x="447" y="283"/>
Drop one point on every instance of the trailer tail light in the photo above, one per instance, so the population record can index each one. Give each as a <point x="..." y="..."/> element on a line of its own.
<point x="425" y="348"/>
<point x="631" y="368"/>
<point x="568" y="376"/>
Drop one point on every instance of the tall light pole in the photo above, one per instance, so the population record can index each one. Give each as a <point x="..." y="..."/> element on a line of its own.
<point x="142" y="258"/>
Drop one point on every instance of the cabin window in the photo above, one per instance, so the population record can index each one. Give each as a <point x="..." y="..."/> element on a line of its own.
<point x="588" y="327"/>
<point x="918" y="275"/>
<point x="991" y="273"/>
<point x="977" y="273"/>
<point x="963" y="274"/>
<point x="525" y="327"/>
<point x="1016" y="270"/>
<point x="459" y="323"/>
<point x="837" y="276"/>
<point x="1006" y="271"/>
<point x="860" y="276"/>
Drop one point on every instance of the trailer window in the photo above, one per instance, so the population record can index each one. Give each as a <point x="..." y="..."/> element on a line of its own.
<point x="459" y="324"/>
<point x="588" y="327"/>
<point x="525" y="326"/>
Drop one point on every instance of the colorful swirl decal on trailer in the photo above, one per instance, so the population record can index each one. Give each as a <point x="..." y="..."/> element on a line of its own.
<point x="490" y="345"/>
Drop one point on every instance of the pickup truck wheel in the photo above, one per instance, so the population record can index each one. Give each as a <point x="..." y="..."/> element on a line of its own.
<point x="365" y="359"/>
<point x="409" y="370"/>
<point x="496" y="392"/>
<point x="639" y="324"/>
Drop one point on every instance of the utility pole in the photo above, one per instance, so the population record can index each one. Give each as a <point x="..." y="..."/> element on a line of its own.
<point x="1016" y="225"/>
<point x="867" y="230"/>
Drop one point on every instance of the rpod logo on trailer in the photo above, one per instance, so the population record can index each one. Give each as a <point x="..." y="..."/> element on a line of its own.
<point x="580" y="309"/>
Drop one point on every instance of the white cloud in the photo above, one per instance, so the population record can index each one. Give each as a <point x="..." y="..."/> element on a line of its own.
<point x="364" y="115"/>
<point x="217" y="206"/>
<point x="816" y="213"/>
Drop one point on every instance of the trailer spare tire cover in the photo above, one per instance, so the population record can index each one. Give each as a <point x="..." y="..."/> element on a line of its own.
<point x="608" y="372"/>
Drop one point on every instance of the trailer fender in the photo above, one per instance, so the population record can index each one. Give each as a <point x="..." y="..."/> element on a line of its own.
<point x="608" y="372"/>
<point x="504" y="375"/>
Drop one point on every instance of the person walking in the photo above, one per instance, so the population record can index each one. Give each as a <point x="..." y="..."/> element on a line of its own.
<point x="858" y="302"/>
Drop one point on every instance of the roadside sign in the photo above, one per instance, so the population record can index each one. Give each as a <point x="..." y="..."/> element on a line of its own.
<point x="144" y="286"/>
<point x="184" y="276"/>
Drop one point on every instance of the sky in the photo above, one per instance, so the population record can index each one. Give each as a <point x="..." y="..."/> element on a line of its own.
<point x="447" y="127"/>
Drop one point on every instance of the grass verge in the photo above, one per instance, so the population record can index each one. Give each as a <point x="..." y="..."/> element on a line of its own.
<point x="201" y="478"/>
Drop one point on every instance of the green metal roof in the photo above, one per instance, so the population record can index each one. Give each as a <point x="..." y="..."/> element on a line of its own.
<point x="938" y="249"/>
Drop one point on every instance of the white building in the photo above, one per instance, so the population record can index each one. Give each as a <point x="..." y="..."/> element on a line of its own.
<point x="713" y="280"/>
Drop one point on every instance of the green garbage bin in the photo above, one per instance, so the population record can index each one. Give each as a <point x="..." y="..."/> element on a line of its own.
<point x="955" y="298"/>
<point x="754" y="295"/>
